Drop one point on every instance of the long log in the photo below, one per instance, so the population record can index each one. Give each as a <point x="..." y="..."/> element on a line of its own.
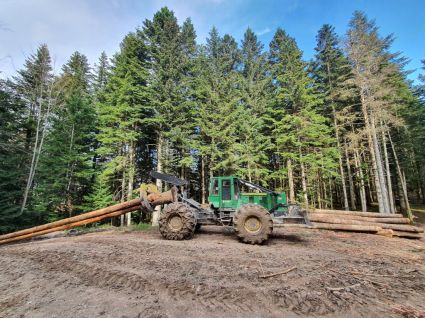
<point x="399" y="227"/>
<point x="408" y="234"/>
<point x="319" y="216"/>
<point x="347" y="227"/>
<point x="69" y="226"/>
<point x="370" y="214"/>
<point x="81" y="217"/>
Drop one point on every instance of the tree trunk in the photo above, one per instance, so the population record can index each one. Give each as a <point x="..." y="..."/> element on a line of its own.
<point x="402" y="180"/>
<point x="362" y="189"/>
<point x="385" y="206"/>
<point x="38" y="144"/>
<point x="159" y="149"/>
<point x="303" y="180"/>
<point x="341" y="166"/>
<point x="291" y="182"/>
<point x="203" y="184"/>
<point x="131" y="171"/>
<point x="350" y="180"/>
<point x="374" y="152"/>
<point x="387" y="168"/>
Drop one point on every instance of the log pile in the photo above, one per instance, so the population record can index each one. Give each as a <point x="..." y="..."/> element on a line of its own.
<point x="368" y="222"/>
<point x="90" y="217"/>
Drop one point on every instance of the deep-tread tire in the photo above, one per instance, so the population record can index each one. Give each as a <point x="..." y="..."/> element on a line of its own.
<point x="244" y="215"/>
<point x="167" y="222"/>
<point x="198" y="227"/>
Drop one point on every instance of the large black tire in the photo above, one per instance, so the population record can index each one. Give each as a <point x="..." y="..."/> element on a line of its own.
<point x="253" y="224"/>
<point x="177" y="222"/>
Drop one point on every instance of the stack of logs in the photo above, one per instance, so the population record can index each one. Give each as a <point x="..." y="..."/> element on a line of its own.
<point x="369" y="222"/>
<point x="79" y="220"/>
<point x="146" y="202"/>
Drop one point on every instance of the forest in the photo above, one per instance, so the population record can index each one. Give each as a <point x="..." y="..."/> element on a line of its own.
<point x="344" y="130"/>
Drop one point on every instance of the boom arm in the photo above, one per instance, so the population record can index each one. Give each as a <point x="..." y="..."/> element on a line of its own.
<point x="255" y="186"/>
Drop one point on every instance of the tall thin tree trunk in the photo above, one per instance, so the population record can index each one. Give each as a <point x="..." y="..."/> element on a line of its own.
<point x="402" y="180"/>
<point x="123" y="193"/>
<point x="373" y="149"/>
<point x="331" y="194"/>
<point x="203" y="184"/>
<point x="387" y="168"/>
<point x="341" y="166"/>
<point x="131" y="171"/>
<point x="362" y="189"/>
<point x="380" y="169"/>
<point x="159" y="149"/>
<point x="303" y="179"/>
<point x="291" y="182"/>
<point x="350" y="180"/>
<point x="38" y="144"/>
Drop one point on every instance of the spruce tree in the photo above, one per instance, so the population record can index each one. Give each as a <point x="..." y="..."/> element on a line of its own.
<point x="171" y="49"/>
<point x="12" y="159"/>
<point x="301" y="136"/>
<point x="331" y="71"/>
<point x="252" y="140"/>
<point x="218" y="111"/>
<point x="125" y="114"/>
<point x="66" y="165"/>
<point x="35" y="87"/>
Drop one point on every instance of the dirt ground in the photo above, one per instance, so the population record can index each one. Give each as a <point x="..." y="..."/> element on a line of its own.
<point x="138" y="274"/>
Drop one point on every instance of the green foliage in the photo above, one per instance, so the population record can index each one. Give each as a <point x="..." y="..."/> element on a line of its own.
<point x="86" y="139"/>
<point x="12" y="156"/>
<point x="66" y="164"/>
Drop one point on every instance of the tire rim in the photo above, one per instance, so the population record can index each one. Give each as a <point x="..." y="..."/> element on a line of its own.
<point x="175" y="223"/>
<point x="252" y="224"/>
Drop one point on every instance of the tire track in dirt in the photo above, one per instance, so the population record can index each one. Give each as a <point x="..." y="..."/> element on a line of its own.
<point x="210" y="297"/>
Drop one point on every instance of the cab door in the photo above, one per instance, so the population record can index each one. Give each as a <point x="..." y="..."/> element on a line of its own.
<point x="226" y="193"/>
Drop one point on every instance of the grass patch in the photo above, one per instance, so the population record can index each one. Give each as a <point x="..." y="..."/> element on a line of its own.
<point x="141" y="227"/>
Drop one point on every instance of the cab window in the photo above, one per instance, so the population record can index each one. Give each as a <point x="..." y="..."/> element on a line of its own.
<point x="236" y="189"/>
<point x="225" y="190"/>
<point x="214" y="190"/>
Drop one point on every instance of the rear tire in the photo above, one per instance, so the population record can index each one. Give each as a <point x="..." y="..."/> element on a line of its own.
<point x="253" y="224"/>
<point x="177" y="222"/>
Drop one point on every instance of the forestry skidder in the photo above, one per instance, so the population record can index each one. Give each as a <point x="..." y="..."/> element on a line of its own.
<point x="251" y="214"/>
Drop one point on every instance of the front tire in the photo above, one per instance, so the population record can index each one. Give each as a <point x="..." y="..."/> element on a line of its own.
<point x="177" y="222"/>
<point x="253" y="224"/>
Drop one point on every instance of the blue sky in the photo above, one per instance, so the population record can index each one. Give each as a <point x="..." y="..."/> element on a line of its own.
<point x="91" y="26"/>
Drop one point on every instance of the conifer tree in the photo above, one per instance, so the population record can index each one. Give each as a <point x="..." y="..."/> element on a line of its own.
<point x="124" y="110"/>
<point x="66" y="165"/>
<point x="171" y="49"/>
<point x="252" y="140"/>
<point x="331" y="72"/>
<point x="217" y="119"/>
<point x="12" y="158"/>
<point x="301" y="136"/>
<point x="371" y="66"/>
<point x="34" y="84"/>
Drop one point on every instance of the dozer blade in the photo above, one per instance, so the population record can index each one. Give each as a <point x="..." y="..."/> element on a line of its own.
<point x="295" y="215"/>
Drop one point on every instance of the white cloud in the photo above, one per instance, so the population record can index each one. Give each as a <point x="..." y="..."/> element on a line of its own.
<point x="263" y="31"/>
